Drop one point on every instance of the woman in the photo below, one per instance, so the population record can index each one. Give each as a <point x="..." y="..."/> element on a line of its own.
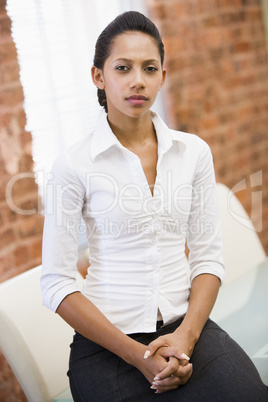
<point x="140" y="187"/>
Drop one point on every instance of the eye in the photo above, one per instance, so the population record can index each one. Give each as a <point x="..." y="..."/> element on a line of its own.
<point x="151" y="69"/>
<point x="122" y="68"/>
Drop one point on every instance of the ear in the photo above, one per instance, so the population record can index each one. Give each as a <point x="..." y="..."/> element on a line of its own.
<point x="164" y="74"/>
<point x="97" y="77"/>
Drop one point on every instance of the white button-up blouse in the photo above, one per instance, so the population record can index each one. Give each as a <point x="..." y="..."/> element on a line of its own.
<point x="136" y="239"/>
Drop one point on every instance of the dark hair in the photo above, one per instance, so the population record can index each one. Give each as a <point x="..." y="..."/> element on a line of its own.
<point x="128" y="21"/>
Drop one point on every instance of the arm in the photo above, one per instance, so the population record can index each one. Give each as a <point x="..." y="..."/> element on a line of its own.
<point x="204" y="291"/>
<point x="87" y="319"/>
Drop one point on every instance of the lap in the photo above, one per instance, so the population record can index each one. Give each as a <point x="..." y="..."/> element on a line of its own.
<point x="221" y="372"/>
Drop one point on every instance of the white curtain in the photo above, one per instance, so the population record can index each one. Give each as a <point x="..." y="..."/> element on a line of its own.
<point x="55" y="40"/>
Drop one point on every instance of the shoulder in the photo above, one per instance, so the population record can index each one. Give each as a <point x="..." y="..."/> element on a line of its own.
<point x="189" y="139"/>
<point x="191" y="143"/>
<point x="77" y="155"/>
<point x="195" y="149"/>
<point x="72" y="163"/>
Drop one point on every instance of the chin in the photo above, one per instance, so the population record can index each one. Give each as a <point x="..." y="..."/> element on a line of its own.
<point x="138" y="111"/>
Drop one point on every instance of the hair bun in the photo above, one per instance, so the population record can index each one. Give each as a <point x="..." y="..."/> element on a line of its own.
<point x="102" y="99"/>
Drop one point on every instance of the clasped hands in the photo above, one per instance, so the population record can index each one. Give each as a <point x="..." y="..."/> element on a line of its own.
<point x="166" y="366"/>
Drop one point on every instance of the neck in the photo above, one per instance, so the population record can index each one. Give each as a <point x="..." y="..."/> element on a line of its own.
<point x="133" y="131"/>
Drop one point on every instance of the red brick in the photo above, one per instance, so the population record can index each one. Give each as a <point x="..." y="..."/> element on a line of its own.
<point x="8" y="52"/>
<point x="241" y="47"/>
<point x="26" y="141"/>
<point x="10" y="390"/>
<point x="22" y="184"/>
<point x="12" y="96"/>
<point x="179" y="10"/>
<point x="211" y="21"/>
<point x="30" y="226"/>
<point x="254" y="14"/>
<point x="209" y="122"/>
<point x="36" y="249"/>
<point x="26" y="163"/>
<point x="9" y="215"/>
<point x="7" y="236"/>
<point x="2" y="11"/>
<point x="4" y="393"/>
<point x="5" y="28"/>
<point x="5" y="117"/>
<point x="21" y="117"/>
<point x="173" y="44"/>
<point x="9" y="73"/>
<point x="22" y="255"/>
<point x="29" y="206"/>
<point x="6" y="264"/>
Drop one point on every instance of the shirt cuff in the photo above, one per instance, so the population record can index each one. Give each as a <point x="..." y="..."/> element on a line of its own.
<point x="213" y="268"/>
<point x="52" y="301"/>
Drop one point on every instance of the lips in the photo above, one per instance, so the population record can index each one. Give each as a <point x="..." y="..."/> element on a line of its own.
<point x="137" y="100"/>
<point x="137" y="97"/>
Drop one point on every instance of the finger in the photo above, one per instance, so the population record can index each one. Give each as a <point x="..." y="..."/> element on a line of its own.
<point x="183" y="362"/>
<point x="162" y="390"/>
<point x="166" y="385"/>
<point x="180" y="376"/>
<point x="173" y="352"/>
<point x="172" y="382"/>
<point x="153" y="346"/>
<point x="184" y="373"/>
<point x="171" y="368"/>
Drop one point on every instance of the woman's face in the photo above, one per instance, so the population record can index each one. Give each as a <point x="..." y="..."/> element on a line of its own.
<point x="132" y="75"/>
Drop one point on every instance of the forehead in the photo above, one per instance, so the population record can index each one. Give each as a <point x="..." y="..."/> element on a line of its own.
<point x="134" y="44"/>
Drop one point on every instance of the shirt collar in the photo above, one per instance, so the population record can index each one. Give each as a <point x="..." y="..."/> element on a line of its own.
<point x="165" y="135"/>
<point x="104" y="138"/>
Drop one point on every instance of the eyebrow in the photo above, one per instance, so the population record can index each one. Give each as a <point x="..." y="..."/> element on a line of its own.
<point x="130" y="61"/>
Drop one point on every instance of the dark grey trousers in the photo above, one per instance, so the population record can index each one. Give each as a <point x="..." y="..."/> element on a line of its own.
<point x="222" y="372"/>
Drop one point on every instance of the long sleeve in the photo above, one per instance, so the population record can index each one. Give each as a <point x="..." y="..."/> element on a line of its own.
<point x="204" y="224"/>
<point x="63" y="212"/>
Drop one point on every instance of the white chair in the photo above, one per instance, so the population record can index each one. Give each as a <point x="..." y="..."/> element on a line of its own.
<point x="241" y="306"/>
<point x="34" y="340"/>
<point x="242" y="253"/>
<point x="242" y="249"/>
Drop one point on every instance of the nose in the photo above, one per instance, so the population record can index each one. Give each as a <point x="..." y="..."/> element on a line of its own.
<point x="137" y="80"/>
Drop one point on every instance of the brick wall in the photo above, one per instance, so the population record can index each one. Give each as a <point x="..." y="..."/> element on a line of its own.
<point x="217" y="87"/>
<point x="20" y="234"/>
